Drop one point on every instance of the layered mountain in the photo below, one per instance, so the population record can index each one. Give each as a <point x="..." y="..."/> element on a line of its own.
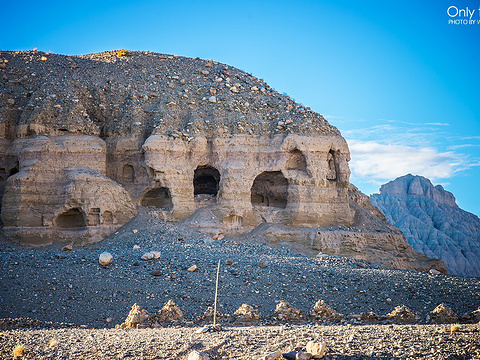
<point x="432" y="222"/>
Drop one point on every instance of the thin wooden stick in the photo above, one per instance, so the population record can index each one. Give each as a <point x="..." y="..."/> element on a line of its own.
<point x="216" y="294"/>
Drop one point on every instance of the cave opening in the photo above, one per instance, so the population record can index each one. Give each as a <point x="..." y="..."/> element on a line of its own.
<point x="270" y="189"/>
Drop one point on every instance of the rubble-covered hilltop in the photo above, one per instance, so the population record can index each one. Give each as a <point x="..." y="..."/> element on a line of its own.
<point x="432" y="222"/>
<point x="85" y="140"/>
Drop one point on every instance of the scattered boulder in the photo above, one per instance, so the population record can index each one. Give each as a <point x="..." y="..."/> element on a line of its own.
<point x="246" y="314"/>
<point x="316" y="349"/>
<point x="262" y="264"/>
<point x="105" y="258"/>
<point x="229" y="262"/>
<point x="207" y="317"/>
<point x="473" y="317"/>
<point x="156" y="273"/>
<point x="401" y="315"/>
<point x="67" y="247"/>
<point x="369" y="317"/>
<point x="169" y="313"/>
<point x="192" y="268"/>
<point x="151" y="255"/>
<point x="196" y="355"/>
<point x="302" y="355"/>
<point x="136" y="316"/>
<point x="291" y="355"/>
<point x="324" y="312"/>
<point x="286" y="312"/>
<point x="442" y="314"/>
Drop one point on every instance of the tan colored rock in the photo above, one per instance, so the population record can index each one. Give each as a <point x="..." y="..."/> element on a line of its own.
<point x="136" y="316"/>
<point x="169" y="313"/>
<point x="105" y="258"/>
<point x="196" y="355"/>
<point x="322" y="311"/>
<point x="401" y="315"/>
<point x="192" y="268"/>
<point x="246" y="314"/>
<point x="442" y="314"/>
<point x="151" y="255"/>
<point x="207" y="317"/>
<point x="316" y="349"/>
<point x="286" y="312"/>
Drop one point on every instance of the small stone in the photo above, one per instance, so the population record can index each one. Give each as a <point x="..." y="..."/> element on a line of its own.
<point x="105" y="258"/>
<point x="442" y="314"/>
<point x="291" y="355"/>
<point x="147" y="256"/>
<point x="192" y="268"/>
<point x="195" y="355"/>
<point x="43" y="58"/>
<point x="262" y="264"/>
<point x="246" y="314"/>
<point x="136" y="316"/>
<point x="402" y="315"/>
<point x="434" y="272"/>
<point x="136" y="246"/>
<point x="156" y="254"/>
<point x="286" y="312"/>
<point x="67" y="247"/>
<point x="134" y="231"/>
<point x="229" y="262"/>
<point x="170" y="312"/>
<point x="316" y="349"/>
<point x="254" y="88"/>
<point x="301" y="355"/>
<point x="272" y="356"/>
<point x="156" y="273"/>
<point x="213" y="91"/>
<point x="110" y="319"/>
<point x="325" y="312"/>
<point x="11" y="101"/>
<point x="209" y="64"/>
<point x="234" y="89"/>
<point x="212" y="99"/>
<point x="205" y="72"/>
<point x="57" y="106"/>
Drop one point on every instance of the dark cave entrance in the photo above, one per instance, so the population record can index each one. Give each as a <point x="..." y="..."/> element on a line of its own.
<point x="158" y="197"/>
<point x="206" y="181"/>
<point x="72" y="218"/>
<point x="270" y="189"/>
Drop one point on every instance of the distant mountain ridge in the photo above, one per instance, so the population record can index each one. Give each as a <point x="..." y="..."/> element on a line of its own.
<point x="432" y="222"/>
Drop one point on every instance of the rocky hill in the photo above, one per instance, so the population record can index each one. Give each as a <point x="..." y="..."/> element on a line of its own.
<point x="432" y="222"/>
<point x="85" y="141"/>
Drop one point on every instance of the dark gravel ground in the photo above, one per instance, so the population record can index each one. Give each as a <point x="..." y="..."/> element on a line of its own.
<point x="57" y="286"/>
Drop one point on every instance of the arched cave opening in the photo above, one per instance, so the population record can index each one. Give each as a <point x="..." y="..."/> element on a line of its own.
<point x="206" y="181"/>
<point x="297" y="161"/>
<point x="270" y="189"/>
<point x="107" y="218"/>
<point x="128" y="173"/>
<point x="158" y="197"/>
<point x="72" y="218"/>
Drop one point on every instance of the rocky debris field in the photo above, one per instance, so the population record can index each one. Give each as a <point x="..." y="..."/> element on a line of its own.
<point x="112" y="94"/>
<point x="68" y="285"/>
<point x="341" y="342"/>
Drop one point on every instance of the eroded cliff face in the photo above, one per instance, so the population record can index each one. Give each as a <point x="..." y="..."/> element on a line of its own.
<point x="432" y="222"/>
<point x="85" y="140"/>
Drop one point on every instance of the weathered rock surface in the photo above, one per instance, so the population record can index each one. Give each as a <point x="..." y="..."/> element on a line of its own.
<point x="136" y="316"/>
<point x="432" y="222"/>
<point x="246" y="314"/>
<point x="442" y="314"/>
<point x="322" y="311"/>
<point x="143" y="130"/>
<point x="84" y="140"/>
<point x="286" y="312"/>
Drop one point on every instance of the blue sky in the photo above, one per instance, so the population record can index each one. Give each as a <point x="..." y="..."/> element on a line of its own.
<point x="401" y="83"/>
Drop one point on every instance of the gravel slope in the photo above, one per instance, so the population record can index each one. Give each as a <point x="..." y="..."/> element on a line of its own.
<point x="71" y="287"/>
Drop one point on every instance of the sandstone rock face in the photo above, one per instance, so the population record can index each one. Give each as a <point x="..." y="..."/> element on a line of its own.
<point x="61" y="192"/>
<point x="87" y="139"/>
<point x="432" y="223"/>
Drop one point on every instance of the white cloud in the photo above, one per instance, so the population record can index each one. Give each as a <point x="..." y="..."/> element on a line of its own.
<point x="376" y="162"/>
